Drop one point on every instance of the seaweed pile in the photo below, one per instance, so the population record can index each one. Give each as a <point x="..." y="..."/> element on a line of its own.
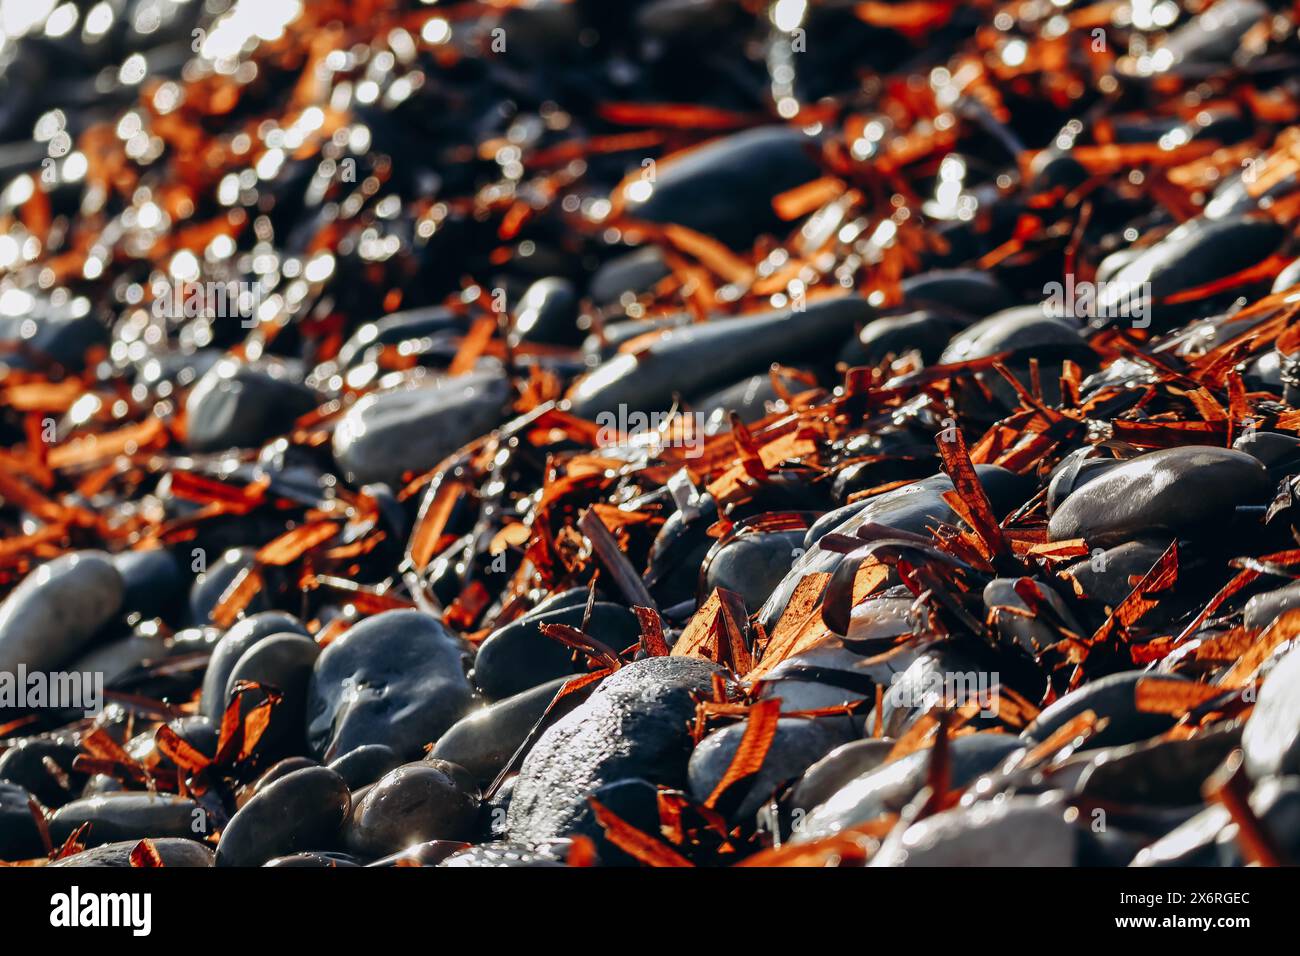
<point x="651" y="433"/>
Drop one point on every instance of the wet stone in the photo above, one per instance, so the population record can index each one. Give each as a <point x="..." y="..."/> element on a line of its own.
<point x="397" y="678"/>
<point x="24" y="765"/>
<point x="1105" y="578"/>
<point x="302" y="811"/>
<point x="1175" y="490"/>
<point x="548" y="313"/>
<point x="518" y="656"/>
<point x="752" y="564"/>
<point x="826" y="675"/>
<point x="173" y="851"/>
<point x="278" y="770"/>
<point x="484" y="741"/>
<point x="1113" y="697"/>
<point x="283" y="662"/>
<point x="430" y="853"/>
<point x="830" y="773"/>
<point x="725" y="188"/>
<point x="1271" y="740"/>
<point x="127" y="816"/>
<point x="20" y="838"/>
<point x="365" y="765"/>
<point x="233" y="644"/>
<point x="199" y="732"/>
<point x="1263" y="609"/>
<point x="152" y="581"/>
<point x="57" y="609"/>
<point x="309" y="860"/>
<point x="1020" y="831"/>
<point x="889" y="787"/>
<point x="702" y="357"/>
<point x="433" y="800"/>
<point x="388" y="434"/>
<point x="244" y="404"/>
<point x="1022" y="329"/>
<point x="207" y="590"/>
<point x="505" y="854"/>
<point x="635" y="724"/>
<point x="1003" y="602"/>
<point x="798" y="743"/>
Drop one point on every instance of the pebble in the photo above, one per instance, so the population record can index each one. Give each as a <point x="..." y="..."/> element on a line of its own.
<point x="152" y="581"/>
<point x="313" y="861"/>
<point x="409" y="430"/>
<point x="1271" y="740"/>
<point x="485" y="740"/>
<point x="518" y="656"/>
<point x="752" y="564"/>
<point x="127" y="816"/>
<point x="635" y="724"/>
<point x="243" y="404"/>
<point x="1020" y="831"/>
<point x="1263" y="609"/>
<point x="24" y="765"/>
<point x="504" y="854"/>
<point x="430" y="853"/>
<point x="830" y="773"/>
<point x="210" y="586"/>
<point x="890" y="786"/>
<point x="233" y="644"/>
<point x="397" y="678"/>
<point x="1187" y="490"/>
<point x="1113" y="697"/>
<point x="725" y="188"/>
<point x="57" y="609"/>
<point x="433" y="800"/>
<point x="301" y="811"/>
<point x="20" y="838"/>
<point x="365" y="764"/>
<point x="283" y="662"/>
<point x="799" y="743"/>
<point x="173" y="851"/>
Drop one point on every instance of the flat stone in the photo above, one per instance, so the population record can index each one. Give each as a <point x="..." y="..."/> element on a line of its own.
<point x="1178" y="491"/>
<point x="127" y="816"/>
